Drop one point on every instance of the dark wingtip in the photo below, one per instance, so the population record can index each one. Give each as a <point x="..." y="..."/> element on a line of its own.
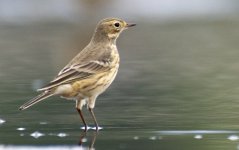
<point x="21" y="108"/>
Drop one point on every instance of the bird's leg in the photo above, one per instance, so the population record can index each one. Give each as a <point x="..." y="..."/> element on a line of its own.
<point x="93" y="116"/>
<point x="80" y="102"/>
<point x="82" y="118"/>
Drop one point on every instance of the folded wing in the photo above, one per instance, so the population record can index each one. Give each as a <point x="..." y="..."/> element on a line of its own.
<point x="77" y="72"/>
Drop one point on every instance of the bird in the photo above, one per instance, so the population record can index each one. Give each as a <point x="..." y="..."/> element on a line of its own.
<point x="90" y="72"/>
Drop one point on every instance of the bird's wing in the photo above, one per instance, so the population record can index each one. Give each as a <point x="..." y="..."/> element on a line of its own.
<point x="77" y="72"/>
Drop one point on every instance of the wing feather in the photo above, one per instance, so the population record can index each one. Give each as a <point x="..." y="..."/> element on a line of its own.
<point x="78" y="72"/>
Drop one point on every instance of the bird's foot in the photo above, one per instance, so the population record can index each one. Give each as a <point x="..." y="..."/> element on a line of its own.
<point x="85" y="128"/>
<point x="97" y="128"/>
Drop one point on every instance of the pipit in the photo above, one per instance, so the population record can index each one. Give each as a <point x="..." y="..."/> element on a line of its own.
<point x="90" y="72"/>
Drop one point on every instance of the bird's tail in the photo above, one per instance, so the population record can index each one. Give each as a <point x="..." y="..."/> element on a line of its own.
<point x="36" y="99"/>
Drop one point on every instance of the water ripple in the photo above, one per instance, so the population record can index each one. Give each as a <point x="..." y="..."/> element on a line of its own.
<point x="198" y="136"/>
<point x="37" y="134"/>
<point x="21" y="129"/>
<point x="11" y="147"/>
<point x="233" y="138"/>
<point x="62" y="134"/>
<point x="181" y="132"/>
<point x="2" y="121"/>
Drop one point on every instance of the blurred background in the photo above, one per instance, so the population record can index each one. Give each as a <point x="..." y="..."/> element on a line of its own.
<point x="179" y="71"/>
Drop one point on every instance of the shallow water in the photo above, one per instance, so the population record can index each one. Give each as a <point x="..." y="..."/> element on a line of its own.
<point x="177" y="88"/>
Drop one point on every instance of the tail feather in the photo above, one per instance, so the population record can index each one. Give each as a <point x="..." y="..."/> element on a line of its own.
<point x="36" y="99"/>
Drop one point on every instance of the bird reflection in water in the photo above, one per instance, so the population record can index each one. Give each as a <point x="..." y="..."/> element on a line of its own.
<point x="83" y="139"/>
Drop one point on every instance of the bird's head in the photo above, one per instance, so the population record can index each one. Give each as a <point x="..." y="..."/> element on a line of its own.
<point x="110" y="28"/>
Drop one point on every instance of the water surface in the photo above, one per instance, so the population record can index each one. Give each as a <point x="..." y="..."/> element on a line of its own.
<point x="177" y="87"/>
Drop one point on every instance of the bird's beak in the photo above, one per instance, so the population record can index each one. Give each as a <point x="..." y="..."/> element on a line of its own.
<point x="130" y="25"/>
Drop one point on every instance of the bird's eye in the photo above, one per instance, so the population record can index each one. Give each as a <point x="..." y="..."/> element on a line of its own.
<point x="117" y="24"/>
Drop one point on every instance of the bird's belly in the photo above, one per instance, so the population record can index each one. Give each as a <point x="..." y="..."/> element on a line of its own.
<point x="92" y="86"/>
<point x="66" y="91"/>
